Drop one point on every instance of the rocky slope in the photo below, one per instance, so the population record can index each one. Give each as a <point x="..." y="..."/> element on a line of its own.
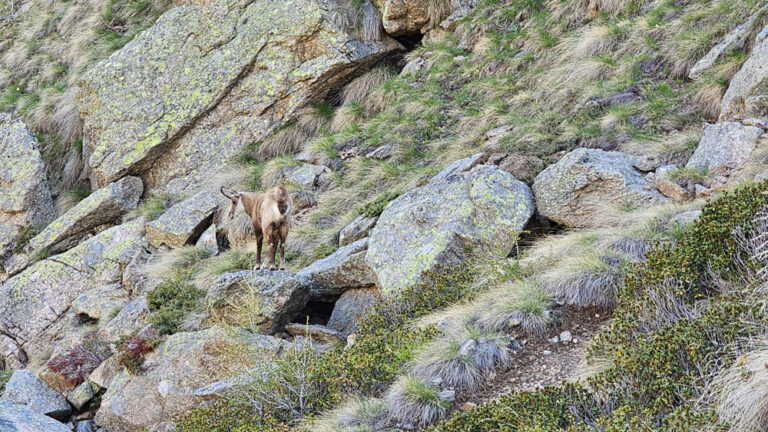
<point x="485" y="194"/>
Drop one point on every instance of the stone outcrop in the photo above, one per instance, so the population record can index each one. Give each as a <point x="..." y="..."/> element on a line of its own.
<point x="261" y="300"/>
<point x="19" y="418"/>
<point x="25" y="200"/>
<point x="574" y="191"/>
<point x="184" y="222"/>
<point x="403" y="17"/>
<point x="315" y="332"/>
<point x="436" y="226"/>
<point x="36" y="301"/>
<point x="735" y="39"/>
<point x="343" y="270"/>
<point x="191" y="92"/>
<point x="356" y="230"/>
<point x="129" y="320"/>
<point x="725" y="145"/>
<point x="747" y="95"/>
<point x="352" y="305"/>
<point x="176" y="369"/>
<point x="24" y="388"/>
<point x="307" y="175"/>
<point x="104" y="206"/>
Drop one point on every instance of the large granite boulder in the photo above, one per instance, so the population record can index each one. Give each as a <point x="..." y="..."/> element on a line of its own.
<point x="357" y="229"/>
<point x="342" y="270"/>
<point x="747" y="94"/>
<point x="184" y="222"/>
<point x="19" y="418"/>
<point x="574" y="191"/>
<point x="24" y="388"/>
<point x="350" y="307"/>
<point x="175" y="370"/>
<point x="25" y="200"/>
<point x="188" y="94"/>
<point x="479" y="212"/>
<point x="104" y="206"/>
<point x="262" y="300"/>
<point x="130" y="319"/>
<point x="724" y="145"/>
<point x="36" y="301"/>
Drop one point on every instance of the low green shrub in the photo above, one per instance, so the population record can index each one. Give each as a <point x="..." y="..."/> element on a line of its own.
<point x="375" y="207"/>
<point x="5" y="375"/>
<point x="656" y="371"/>
<point x="170" y="302"/>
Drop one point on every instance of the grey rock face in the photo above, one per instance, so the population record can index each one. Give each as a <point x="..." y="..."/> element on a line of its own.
<point x="222" y="74"/>
<point x="437" y="225"/>
<point x="356" y="230"/>
<point x="25" y="200"/>
<point x="103" y="206"/>
<point x="307" y="175"/>
<point x="344" y="269"/>
<point x="315" y="332"/>
<point x="271" y="298"/>
<point x="24" y="388"/>
<point x="352" y="305"/>
<point x="460" y="166"/>
<point x="37" y="300"/>
<point x="207" y="241"/>
<point x="130" y="319"/>
<point x="100" y="302"/>
<point x="19" y="418"/>
<point x="180" y="365"/>
<point x="724" y="145"/>
<point x="748" y="84"/>
<point x="572" y="191"/>
<point x="185" y="221"/>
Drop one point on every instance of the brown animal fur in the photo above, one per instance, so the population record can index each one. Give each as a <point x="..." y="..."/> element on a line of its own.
<point x="271" y="215"/>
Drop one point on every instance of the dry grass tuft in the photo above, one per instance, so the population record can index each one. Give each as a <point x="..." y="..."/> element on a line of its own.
<point x="164" y="264"/>
<point x="522" y="303"/>
<point x="285" y="142"/>
<point x="357" y="415"/>
<point x="415" y="403"/>
<point x="373" y="29"/>
<point x="462" y="358"/>
<point x="358" y="90"/>
<point x="345" y="116"/>
<point x="741" y="392"/>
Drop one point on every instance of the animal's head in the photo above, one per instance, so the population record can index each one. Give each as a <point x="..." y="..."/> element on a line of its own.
<point x="279" y="193"/>
<point x="233" y="196"/>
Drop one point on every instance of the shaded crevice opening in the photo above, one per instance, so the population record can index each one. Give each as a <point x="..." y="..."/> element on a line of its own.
<point x="316" y="312"/>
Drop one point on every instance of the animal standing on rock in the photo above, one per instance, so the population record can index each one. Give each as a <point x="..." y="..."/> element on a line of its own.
<point x="271" y="216"/>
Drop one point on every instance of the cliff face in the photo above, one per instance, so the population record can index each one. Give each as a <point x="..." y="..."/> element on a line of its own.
<point x="484" y="196"/>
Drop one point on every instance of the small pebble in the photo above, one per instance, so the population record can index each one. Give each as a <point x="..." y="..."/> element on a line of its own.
<point x="554" y="340"/>
<point x="468" y="406"/>
<point x="546" y="352"/>
<point x="566" y="336"/>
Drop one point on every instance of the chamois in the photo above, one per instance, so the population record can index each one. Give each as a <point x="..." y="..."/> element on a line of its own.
<point x="271" y="215"/>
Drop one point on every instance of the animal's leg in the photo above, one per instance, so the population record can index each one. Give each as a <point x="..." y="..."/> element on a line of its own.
<point x="259" y="238"/>
<point x="283" y="236"/>
<point x="269" y="234"/>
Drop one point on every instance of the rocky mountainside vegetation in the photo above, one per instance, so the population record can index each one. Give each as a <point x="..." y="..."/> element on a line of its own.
<point x="506" y="215"/>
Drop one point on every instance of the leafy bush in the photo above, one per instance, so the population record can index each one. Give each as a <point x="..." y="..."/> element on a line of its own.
<point x="132" y="351"/>
<point x="75" y="364"/>
<point x="375" y="207"/>
<point x="170" y="302"/>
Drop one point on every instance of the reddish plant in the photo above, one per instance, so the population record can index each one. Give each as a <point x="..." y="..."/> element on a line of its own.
<point x="76" y="364"/>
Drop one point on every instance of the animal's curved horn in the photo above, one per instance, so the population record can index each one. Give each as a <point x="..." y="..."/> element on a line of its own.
<point x="224" y="193"/>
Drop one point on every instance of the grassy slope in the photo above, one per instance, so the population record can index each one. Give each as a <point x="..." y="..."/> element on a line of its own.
<point x="532" y="65"/>
<point x="46" y="47"/>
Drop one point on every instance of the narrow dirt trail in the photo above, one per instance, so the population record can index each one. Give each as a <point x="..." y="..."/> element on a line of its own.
<point x="541" y="361"/>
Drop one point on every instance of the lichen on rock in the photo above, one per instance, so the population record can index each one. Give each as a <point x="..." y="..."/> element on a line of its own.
<point x="188" y="94"/>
